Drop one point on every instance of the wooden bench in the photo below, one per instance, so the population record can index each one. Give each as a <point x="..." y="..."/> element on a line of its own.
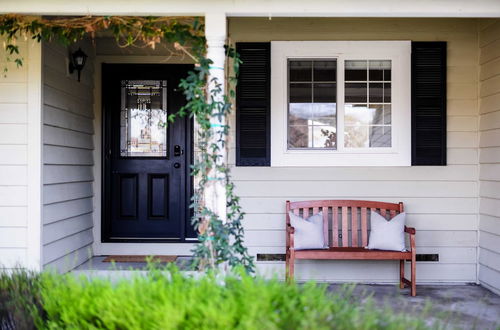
<point x="348" y="217"/>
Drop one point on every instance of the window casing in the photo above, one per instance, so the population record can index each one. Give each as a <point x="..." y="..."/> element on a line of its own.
<point x="352" y="109"/>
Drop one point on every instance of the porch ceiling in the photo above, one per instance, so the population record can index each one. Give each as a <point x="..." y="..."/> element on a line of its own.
<point x="274" y="8"/>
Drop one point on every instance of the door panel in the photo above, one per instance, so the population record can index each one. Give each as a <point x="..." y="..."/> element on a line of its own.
<point x="128" y="196"/>
<point x="158" y="196"/>
<point x="146" y="161"/>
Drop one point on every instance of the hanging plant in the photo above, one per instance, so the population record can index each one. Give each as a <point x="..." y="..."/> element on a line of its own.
<point x="220" y="240"/>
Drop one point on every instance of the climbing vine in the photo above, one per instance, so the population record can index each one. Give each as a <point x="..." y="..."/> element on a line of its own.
<point x="220" y="240"/>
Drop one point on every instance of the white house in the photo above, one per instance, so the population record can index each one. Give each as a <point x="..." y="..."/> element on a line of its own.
<point x="388" y="101"/>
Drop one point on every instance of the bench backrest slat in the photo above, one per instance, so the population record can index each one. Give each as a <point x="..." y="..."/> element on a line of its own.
<point x="335" y="229"/>
<point x="349" y="218"/>
<point x="354" y="226"/>
<point x="345" y="227"/>
<point x="324" y="209"/>
<point x="364" y="226"/>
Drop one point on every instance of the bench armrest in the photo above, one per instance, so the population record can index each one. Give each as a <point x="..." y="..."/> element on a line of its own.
<point x="410" y="230"/>
<point x="412" y="233"/>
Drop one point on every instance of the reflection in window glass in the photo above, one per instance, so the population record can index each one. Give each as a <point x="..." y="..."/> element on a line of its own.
<point x="367" y="104"/>
<point x="312" y="107"/>
<point x="143" y="118"/>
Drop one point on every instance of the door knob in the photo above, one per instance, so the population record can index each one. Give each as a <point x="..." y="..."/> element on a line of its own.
<point x="177" y="165"/>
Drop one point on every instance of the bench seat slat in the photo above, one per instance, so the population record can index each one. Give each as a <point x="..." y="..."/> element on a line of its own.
<point x="352" y="253"/>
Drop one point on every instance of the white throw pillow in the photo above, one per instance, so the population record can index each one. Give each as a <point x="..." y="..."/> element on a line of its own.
<point x="387" y="235"/>
<point x="308" y="232"/>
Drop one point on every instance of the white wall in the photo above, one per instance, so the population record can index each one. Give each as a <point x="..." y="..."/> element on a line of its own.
<point x="489" y="242"/>
<point x="67" y="159"/>
<point x="441" y="202"/>
<point x="20" y="136"/>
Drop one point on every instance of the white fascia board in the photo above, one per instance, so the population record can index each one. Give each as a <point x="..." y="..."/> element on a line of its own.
<point x="259" y="8"/>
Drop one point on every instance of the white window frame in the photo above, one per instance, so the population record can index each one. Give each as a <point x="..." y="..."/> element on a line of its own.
<point x="399" y="52"/>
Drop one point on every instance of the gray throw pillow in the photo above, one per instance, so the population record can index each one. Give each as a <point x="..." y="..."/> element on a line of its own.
<point x="387" y="235"/>
<point x="308" y="232"/>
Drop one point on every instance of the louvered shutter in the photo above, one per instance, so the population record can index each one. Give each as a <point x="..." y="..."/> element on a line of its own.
<point x="428" y="103"/>
<point x="253" y="105"/>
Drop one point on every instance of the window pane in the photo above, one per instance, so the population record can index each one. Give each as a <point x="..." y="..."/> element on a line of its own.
<point x="355" y="93"/>
<point x="356" y="136"/>
<point x="361" y="114"/>
<point x="387" y="75"/>
<point x="356" y="70"/>
<point x="368" y="104"/>
<point x="325" y="93"/>
<point x="300" y="113"/>
<point x="325" y="113"/>
<point x="376" y="93"/>
<point x="300" y="93"/>
<point x="380" y="136"/>
<point x="143" y="117"/>
<point x="312" y="108"/>
<point x="378" y="70"/>
<point x="300" y="70"/>
<point x="300" y="137"/>
<point x="356" y="114"/>
<point x="325" y="71"/>
<point x="387" y="93"/>
<point x="324" y="136"/>
<point x="377" y="114"/>
<point x="387" y="114"/>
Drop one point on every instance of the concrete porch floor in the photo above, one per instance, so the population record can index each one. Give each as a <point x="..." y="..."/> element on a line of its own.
<point x="455" y="306"/>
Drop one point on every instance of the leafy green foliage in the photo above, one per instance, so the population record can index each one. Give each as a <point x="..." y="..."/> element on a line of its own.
<point x="167" y="299"/>
<point x="220" y="240"/>
<point x="20" y="299"/>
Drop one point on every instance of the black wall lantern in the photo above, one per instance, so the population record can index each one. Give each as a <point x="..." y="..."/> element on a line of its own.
<point x="77" y="62"/>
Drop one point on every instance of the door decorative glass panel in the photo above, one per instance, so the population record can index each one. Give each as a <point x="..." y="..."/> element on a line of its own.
<point x="143" y="118"/>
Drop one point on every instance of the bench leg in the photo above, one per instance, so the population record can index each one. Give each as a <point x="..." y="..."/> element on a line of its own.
<point x="413" y="275"/>
<point x="290" y="265"/>
<point x="287" y="265"/>
<point x="401" y="274"/>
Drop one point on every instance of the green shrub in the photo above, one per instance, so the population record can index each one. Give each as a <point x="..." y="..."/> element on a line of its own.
<point x="168" y="300"/>
<point x="20" y="299"/>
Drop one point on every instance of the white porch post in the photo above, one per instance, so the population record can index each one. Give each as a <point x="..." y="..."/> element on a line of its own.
<point x="215" y="33"/>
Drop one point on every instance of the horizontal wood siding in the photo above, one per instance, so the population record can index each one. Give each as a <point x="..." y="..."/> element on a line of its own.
<point x="68" y="162"/>
<point x="13" y="162"/>
<point x="489" y="91"/>
<point x="441" y="202"/>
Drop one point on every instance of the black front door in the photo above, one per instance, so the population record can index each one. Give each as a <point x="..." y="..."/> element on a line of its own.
<point x="146" y="159"/>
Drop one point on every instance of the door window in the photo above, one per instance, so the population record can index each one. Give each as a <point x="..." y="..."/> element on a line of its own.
<point x="143" y="118"/>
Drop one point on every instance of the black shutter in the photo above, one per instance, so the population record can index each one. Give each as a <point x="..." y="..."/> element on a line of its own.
<point x="253" y="96"/>
<point x="428" y="72"/>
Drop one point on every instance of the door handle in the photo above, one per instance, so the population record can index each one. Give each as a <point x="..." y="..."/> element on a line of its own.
<point x="178" y="151"/>
<point x="177" y="165"/>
